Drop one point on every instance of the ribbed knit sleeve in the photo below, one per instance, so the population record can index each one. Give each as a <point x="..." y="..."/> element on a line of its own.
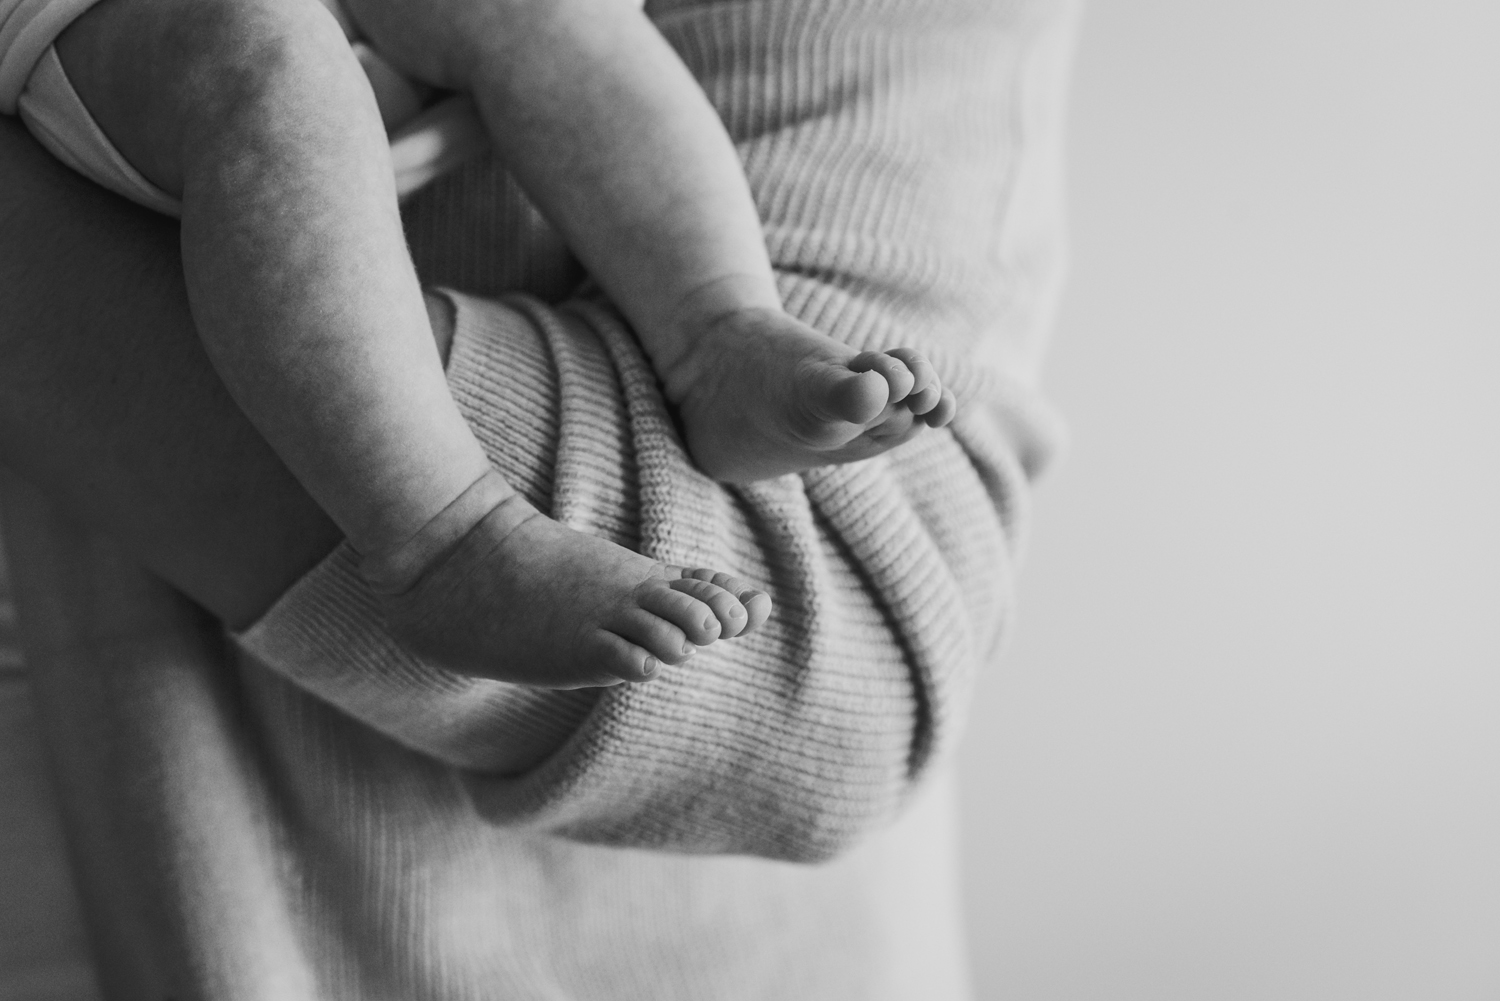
<point x="898" y="152"/>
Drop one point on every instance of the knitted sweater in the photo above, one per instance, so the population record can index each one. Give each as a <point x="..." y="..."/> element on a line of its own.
<point x="310" y="812"/>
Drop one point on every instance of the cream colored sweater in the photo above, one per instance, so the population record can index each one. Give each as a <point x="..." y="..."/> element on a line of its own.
<point x="311" y="813"/>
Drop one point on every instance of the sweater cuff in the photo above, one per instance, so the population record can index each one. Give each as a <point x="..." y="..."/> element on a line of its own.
<point x="326" y="634"/>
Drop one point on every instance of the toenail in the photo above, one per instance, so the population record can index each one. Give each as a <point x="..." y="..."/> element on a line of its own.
<point x="708" y="623"/>
<point x="649" y="668"/>
<point x="736" y="613"/>
<point x="688" y="649"/>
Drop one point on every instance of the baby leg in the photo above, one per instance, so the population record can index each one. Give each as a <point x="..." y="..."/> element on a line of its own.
<point x="308" y="304"/>
<point x="615" y="141"/>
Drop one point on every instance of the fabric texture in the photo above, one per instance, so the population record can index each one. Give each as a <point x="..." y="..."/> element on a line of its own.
<point x="57" y="117"/>
<point x="425" y="142"/>
<point x="43" y="948"/>
<point x="27" y="30"/>
<point x="320" y="815"/>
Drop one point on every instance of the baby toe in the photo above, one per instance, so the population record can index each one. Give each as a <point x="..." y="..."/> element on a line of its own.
<point x="942" y="414"/>
<point x="680" y="605"/>
<point x="757" y="608"/>
<point x="621" y="658"/>
<point x="854" y="398"/>
<point x="654" y="634"/>
<point x="922" y="401"/>
<point x="756" y="602"/>
<point x="895" y="429"/>
<point x="899" y="378"/>
<point x="729" y="615"/>
<point x="927" y="388"/>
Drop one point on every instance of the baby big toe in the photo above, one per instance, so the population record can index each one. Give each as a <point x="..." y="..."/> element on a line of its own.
<point x="855" y="398"/>
<point x="824" y="392"/>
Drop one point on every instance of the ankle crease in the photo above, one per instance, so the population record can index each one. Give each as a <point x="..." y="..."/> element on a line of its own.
<point x="396" y="570"/>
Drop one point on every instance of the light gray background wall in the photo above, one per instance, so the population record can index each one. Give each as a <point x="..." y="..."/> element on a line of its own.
<point x="1246" y="744"/>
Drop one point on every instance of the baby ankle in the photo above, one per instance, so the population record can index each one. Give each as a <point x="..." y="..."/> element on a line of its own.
<point x="394" y="571"/>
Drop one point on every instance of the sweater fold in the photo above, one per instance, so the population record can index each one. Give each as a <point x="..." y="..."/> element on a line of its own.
<point x="881" y="162"/>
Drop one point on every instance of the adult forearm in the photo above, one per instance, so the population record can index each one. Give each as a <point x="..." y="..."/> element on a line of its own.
<point x="108" y="403"/>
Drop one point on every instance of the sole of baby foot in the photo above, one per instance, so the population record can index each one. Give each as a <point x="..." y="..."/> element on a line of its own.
<point x="762" y="395"/>
<point x="540" y="604"/>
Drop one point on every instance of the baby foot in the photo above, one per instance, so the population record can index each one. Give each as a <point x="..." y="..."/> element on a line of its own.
<point x="761" y="395"/>
<point x="518" y="597"/>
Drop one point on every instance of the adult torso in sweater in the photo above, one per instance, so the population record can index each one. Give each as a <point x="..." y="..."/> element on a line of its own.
<point x="904" y="157"/>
